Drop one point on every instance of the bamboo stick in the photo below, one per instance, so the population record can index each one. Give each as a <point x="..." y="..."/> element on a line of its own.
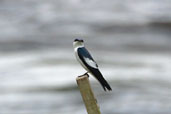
<point x="87" y="95"/>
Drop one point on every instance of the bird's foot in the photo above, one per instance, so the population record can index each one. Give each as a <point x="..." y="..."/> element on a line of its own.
<point x="84" y="74"/>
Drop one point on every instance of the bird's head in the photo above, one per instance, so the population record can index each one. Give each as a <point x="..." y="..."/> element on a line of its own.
<point x="78" y="43"/>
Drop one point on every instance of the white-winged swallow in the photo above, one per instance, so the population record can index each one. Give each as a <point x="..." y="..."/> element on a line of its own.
<point x="88" y="63"/>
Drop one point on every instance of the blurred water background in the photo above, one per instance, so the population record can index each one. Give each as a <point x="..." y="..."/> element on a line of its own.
<point x="130" y="40"/>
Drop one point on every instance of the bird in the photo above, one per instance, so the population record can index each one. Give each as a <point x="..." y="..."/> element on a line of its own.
<point x="88" y="63"/>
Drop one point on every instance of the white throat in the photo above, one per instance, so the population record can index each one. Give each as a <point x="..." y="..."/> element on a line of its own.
<point x="78" y="45"/>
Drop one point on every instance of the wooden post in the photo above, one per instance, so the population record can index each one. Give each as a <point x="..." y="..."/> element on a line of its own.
<point x="87" y="95"/>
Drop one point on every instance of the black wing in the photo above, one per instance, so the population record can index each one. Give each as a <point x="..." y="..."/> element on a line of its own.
<point x="87" y="59"/>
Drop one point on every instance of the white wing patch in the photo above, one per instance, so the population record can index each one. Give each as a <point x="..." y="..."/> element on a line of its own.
<point x="91" y="62"/>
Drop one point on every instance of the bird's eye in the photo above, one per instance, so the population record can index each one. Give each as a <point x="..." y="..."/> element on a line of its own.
<point x="78" y="40"/>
